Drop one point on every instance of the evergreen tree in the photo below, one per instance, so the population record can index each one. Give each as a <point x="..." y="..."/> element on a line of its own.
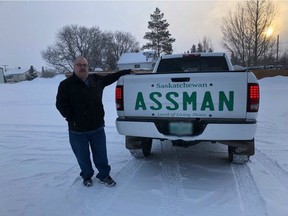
<point x="32" y="74"/>
<point x="193" y="49"/>
<point x="200" y="47"/>
<point x="159" y="37"/>
<point x="203" y="46"/>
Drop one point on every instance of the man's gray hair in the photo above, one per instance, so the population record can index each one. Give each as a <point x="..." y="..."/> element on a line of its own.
<point x="80" y="58"/>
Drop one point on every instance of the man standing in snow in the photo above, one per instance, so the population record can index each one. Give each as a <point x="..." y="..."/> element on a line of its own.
<point x="79" y="100"/>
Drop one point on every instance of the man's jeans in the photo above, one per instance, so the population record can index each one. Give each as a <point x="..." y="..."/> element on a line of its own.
<point x="80" y="142"/>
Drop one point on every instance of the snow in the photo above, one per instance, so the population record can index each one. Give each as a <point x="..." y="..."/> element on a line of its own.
<point x="40" y="175"/>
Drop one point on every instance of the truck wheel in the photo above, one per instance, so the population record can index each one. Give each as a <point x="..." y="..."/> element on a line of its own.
<point x="237" y="158"/>
<point x="139" y="147"/>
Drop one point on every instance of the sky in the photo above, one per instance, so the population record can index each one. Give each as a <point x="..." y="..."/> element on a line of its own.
<point x="40" y="175"/>
<point x="29" y="27"/>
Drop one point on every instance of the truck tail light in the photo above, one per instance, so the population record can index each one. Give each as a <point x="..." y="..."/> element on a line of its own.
<point x="119" y="98"/>
<point x="253" y="97"/>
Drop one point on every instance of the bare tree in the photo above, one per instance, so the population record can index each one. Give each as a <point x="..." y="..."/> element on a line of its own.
<point x="117" y="43"/>
<point x="73" y="41"/>
<point x="207" y="44"/>
<point x="245" y="31"/>
<point x="123" y="42"/>
<point x="99" y="48"/>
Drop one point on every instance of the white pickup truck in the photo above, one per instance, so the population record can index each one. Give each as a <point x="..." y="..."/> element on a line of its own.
<point x="189" y="98"/>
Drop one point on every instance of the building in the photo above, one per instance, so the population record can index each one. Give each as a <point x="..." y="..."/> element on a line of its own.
<point x="2" y="80"/>
<point x="137" y="61"/>
<point x="16" y="75"/>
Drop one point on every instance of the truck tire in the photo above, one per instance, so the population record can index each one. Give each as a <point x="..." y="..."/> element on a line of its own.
<point x="139" y="147"/>
<point x="237" y="158"/>
<point x="239" y="152"/>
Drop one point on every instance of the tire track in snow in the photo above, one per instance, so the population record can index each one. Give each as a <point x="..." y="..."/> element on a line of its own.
<point x="273" y="167"/>
<point x="104" y="198"/>
<point x="74" y="187"/>
<point x="252" y="203"/>
<point x="172" y="189"/>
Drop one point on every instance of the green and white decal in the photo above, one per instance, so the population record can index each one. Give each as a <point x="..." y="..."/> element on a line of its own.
<point x="204" y="96"/>
<point x="185" y="101"/>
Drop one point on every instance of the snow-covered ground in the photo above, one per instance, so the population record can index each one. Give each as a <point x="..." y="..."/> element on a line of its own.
<point x="39" y="174"/>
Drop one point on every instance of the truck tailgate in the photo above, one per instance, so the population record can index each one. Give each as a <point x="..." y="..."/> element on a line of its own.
<point x="193" y="95"/>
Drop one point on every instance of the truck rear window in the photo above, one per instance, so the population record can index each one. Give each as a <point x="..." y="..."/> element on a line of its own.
<point x="193" y="64"/>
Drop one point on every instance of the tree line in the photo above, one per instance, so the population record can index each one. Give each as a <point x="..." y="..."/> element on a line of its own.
<point x="244" y="29"/>
<point x="103" y="49"/>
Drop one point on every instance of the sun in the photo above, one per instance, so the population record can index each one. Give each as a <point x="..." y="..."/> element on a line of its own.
<point x="269" y="31"/>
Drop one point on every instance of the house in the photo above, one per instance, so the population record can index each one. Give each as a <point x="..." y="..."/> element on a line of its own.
<point x="137" y="61"/>
<point x="96" y="70"/>
<point x="16" y="75"/>
<point x="2" y="80"/>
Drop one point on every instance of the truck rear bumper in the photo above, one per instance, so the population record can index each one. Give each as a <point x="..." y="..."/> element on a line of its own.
<point x="212" y="131"/>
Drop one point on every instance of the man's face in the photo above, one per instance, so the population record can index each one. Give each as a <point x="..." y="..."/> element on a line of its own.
<point x="81" y="68"/>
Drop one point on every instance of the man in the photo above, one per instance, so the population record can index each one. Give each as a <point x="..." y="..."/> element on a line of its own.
<point x="79" y="100"/>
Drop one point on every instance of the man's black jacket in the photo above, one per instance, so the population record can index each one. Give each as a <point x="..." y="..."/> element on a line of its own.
<point x="81" y="103"/>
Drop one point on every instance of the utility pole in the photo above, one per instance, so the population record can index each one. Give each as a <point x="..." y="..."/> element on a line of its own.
<point x="277" y="54"/>
<point x="5" y="67"/>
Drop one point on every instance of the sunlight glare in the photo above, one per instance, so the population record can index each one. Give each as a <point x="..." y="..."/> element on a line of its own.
<point x="269" y="31"/>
